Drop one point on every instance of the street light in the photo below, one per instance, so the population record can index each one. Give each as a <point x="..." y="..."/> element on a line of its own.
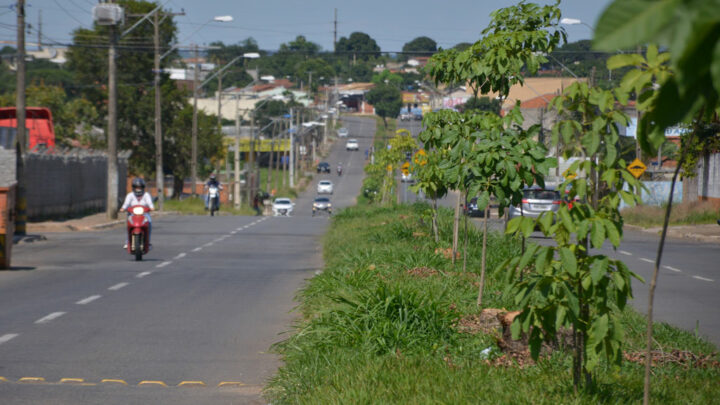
<point x="575" y="21"/>
<point x="193" y="163"/>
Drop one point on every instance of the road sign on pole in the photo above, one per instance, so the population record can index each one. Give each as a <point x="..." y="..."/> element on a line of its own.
<point x="636" y="168"/>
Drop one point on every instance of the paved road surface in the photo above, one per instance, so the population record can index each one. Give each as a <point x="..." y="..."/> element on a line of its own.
<point x="205" y="305"/>
<point x="688" y="291"/>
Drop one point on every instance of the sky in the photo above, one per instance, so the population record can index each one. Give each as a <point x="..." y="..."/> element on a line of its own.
<point x="391" y="23"/>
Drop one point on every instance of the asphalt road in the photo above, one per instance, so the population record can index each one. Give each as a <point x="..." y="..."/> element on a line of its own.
<point x="688" y="290"/>
<point x="82" y="323"/>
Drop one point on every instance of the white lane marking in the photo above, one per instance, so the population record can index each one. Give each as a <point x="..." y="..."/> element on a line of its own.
<point x="180" y="256"/>
<point x="673" y="269"/>
<point x="239" y="228"/>
<point x="217" y="240"/>
<point x="88" y="300"/>
<point x="625" y="252"/>
<point x="246" y="226"/>
<point x="8" y="337"/>
<point x="163" y="264"/>
<point x="197" y="249"/>
<point x="702" y="278"/>
<point x="50" y="317"/>
<point x="233" y="232"/>
<point x="208" y="244"/>
<point x="118" y="286"/>
<point x="647" y="260"/>
<point x="143" y="274"/>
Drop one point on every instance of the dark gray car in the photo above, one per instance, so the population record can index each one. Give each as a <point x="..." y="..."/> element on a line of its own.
<point x="536" y="201"/>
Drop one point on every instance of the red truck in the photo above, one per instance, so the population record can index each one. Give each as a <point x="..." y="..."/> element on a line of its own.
<point x="39" y="124"/>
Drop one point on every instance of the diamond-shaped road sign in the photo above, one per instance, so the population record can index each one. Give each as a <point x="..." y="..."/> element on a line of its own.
<point x="636" y="168"/>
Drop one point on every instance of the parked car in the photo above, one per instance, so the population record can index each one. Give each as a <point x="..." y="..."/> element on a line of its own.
<point x="322" y="204"/>
<point x="323" y="167"/>
<point x="535" y="202"/>
<point x="406" y="115"/>
<point x="406" y="178"/>
<point x="282" y="207"/>
<point x="352" y="144"/>
<point x="343" y="132"/>
<point x="325" y="187"/>
<point x="471" y="208"/>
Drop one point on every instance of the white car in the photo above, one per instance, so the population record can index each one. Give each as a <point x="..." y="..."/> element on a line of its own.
<point x="325" y="187"/>
<point x="406" y="178"/>
<point x="282" y="206"/>
<point x="343" y="132"/>
<point x="352" y="144"/>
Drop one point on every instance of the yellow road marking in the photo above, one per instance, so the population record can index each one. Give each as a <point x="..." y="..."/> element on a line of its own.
<point x="113" y="381"/>
<point x="160" y="383"/>
<point x="231" y="384"/>
<point x="192" y="384"/>
<point x="3" y="379"/>
<point x="31" y="380"/>
<point x="72" y="380"/>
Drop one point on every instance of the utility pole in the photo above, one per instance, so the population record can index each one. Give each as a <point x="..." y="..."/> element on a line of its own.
<point x="193" y="163"/>
<point x="291" y="160"/>
<point x="39" y="29"/>
<point x="112" y="175"/>
<point x="219" y="97"/>
<point x="20" y="226"/>
<point x="236" y="156"/>
<point x="335" y="33"/>
<point x="159" y="178"/>
<point x="250" y="173"/>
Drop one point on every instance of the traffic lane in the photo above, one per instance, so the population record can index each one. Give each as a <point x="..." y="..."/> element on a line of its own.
<point x="347" y="186"/>
<point x="66" y="267"/>
<point x="687" y="295"/>
<point x="204" y="317"/>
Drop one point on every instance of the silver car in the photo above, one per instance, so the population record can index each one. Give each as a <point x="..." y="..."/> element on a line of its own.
<point x="343" y="132"/>
<point x="322" y="204"/>
<point x="325" y="187"/>
<point x="536" y="201"/>
<point x="282" y="207"/>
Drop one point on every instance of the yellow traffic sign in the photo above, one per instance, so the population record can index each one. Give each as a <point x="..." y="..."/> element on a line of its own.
<point x="636" y="168"/>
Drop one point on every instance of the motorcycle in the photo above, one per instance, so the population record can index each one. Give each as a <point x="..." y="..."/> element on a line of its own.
<point x="213" y="199"/>
<point x="339" y="171"/>
<point x="138" y="231"/>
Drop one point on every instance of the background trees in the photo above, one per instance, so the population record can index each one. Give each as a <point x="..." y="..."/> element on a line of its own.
<point x="420" y="46"/>
<point x="358" y="46"/>
<point x="386" y="99"/>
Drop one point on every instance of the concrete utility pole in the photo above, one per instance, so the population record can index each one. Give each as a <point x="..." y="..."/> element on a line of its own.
<point x="250" y="176"/>
<point x="193" y="163"/>
<point x="335" y="33"/>
<point x="236" y="156"/>
<point x="291" y="160"/>
<point x="112" y="177"/>
<point x="159" y="177"/>
<point x="20" y="118"/>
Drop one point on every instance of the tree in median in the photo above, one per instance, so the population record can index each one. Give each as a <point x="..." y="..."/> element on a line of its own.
<point x="386" y="99"/>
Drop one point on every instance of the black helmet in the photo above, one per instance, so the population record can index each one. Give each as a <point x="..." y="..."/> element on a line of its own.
<point x="138" y="187"/>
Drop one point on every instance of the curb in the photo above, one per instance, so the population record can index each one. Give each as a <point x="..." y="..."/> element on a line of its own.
<point x="676" y="234"/>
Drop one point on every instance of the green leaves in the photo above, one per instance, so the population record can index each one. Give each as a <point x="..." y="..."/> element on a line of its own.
<point x="626" y="23"/>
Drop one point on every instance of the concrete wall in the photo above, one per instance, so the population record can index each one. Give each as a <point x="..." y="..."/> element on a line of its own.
<point x="66" y="183"/>
<point x="709" y="178"/>
<point x="7" y="167"/>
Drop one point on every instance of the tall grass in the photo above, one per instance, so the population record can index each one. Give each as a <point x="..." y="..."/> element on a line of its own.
<point x="372" y="333"/>
<point x="692" y="213"/>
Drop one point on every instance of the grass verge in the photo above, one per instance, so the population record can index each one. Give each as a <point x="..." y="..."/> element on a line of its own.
<point x="196" y="206"/>
<point x="694" y="213"/>
<point x="380" y="325"/>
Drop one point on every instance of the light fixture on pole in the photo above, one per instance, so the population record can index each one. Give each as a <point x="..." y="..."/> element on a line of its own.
<point x="193" y="163"/>
<point x="112" y="15"/>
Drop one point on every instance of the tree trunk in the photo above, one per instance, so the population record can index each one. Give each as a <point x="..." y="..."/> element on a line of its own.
<point x="656" y="272"/>
<point x="484" y="252"/>
<point x="435" y="230"/>
<point x="456" y="228"/>
<point x="465" y="231"/>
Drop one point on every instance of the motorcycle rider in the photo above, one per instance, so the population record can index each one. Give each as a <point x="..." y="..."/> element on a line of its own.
<point x="139" y="196"/>
<point x="212" y="182"/>
<point x="339" y="169"/>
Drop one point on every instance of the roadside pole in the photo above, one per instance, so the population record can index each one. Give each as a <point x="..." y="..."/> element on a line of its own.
<point x="112" y="168"/>
<point x="291" y="162"/>
<point x="20" y="202"/>
<point x="158" y="121"/>
<point x="193" y="163"/>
